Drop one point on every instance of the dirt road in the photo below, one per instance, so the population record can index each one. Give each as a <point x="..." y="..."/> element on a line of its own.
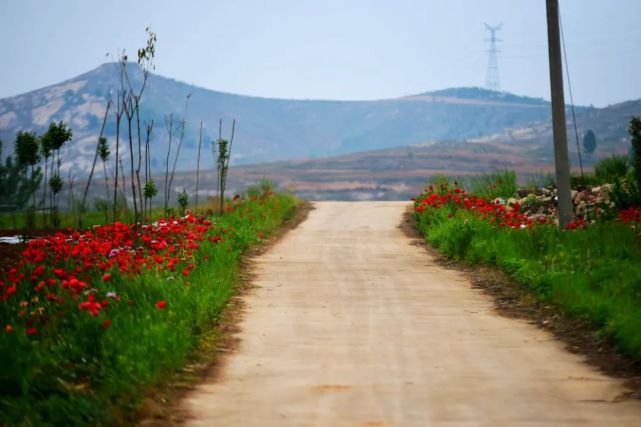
<point x="351" y="325"/>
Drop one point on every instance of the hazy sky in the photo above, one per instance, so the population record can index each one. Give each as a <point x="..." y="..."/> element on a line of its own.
<point x="327" y="49"/>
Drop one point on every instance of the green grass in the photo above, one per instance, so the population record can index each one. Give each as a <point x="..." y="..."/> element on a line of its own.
<point x="592" y="273"/>
<point x="77" y="373"/>
<point x="18" y="220"/>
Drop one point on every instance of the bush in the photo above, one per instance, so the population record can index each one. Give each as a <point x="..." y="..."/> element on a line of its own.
<point x="611" y="169"/>
<point x="500" y="183"/>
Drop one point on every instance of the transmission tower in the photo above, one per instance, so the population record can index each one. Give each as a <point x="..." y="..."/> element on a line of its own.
<point x="492" y="81"/>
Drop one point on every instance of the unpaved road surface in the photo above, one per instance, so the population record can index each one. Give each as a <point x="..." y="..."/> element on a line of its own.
<point x="351" y="325"/>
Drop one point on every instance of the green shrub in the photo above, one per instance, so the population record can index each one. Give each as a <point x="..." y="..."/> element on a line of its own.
<point x="500" y="183"/>
<point x="611" y="168"/>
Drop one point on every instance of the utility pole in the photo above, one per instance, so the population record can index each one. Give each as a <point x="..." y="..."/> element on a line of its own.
<point x="492" y="81"/>
<point x="561" y="162"/>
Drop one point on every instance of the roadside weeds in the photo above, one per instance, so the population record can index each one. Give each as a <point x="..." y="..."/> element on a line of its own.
<point x="162" y="406"/>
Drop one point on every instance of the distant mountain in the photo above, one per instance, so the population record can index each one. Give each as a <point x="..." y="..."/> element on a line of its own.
<point x="267" y="129"/>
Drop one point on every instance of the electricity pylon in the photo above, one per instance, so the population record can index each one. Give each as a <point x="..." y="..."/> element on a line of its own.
<point x="492" y="81"/>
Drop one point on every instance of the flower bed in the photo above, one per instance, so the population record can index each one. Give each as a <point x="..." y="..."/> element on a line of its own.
<point x="509" y="213"/>
<point x="92" y="318"/>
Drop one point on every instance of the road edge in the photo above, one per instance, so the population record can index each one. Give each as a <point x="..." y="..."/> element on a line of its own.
<point x="513" y="300"/>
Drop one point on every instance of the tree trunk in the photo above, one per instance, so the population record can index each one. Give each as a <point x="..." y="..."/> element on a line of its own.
<point x="93" y="166"/>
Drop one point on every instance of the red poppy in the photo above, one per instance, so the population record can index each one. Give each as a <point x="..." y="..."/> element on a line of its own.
<point x="160" y="305"/>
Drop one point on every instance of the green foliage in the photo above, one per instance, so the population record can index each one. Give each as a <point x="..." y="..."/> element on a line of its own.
<point x="77" y="373"/>
<point x="500" y="183"/>
<point x="577" y="181"/>
<point x="150" y="190"/>
<point x="589" y="142"/>
<point x="56" y="183"/>
<point x="27" y="148"/>
<point x="146" y="54"/>
<point x="16" y="185"/>
<point x="183" y="199"/>
<point x="592" y="273"/>
<point x="265" y="186"/>
<point x="102" y="206"/>
<point x="611" y="169"/>
<point x="56" y="136"/>
<point x="627" y="193"/>
<point x="222" y="153"/>
<point x="45" y="147"/>
<point x="103" y="149"/>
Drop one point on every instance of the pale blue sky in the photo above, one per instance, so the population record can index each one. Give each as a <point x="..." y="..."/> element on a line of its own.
<point x="327" y="49"/>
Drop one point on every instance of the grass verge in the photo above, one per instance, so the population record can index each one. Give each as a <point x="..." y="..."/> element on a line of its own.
<point x="79" y="369"/>
<point x="590" y="273"/>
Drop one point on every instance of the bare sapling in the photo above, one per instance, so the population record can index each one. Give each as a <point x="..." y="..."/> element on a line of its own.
<point x="172" y="125"/>
<point x="150" y="189"/>
<point x="146" y="64"/>
<point x="93" y="166"/>
<point x="119" y="109"/>
<point x="170" y="122"/>
<point x="129" y="114"/>
<point x="200" y="141"/>
<point x="104" y="152"/>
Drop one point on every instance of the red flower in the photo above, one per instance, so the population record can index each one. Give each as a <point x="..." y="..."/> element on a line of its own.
<point x="91" y="305"/>
<point x="106" y="277"/>
<point x="39" y="270"/>
<point x="8" y="328"/>
<point x="11" y="290"/>
<point x="160" y="305"/>
<point x="31" y="331"/>
<point x="106" y="324"/>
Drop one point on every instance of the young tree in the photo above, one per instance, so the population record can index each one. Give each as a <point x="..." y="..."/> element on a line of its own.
<point x="129" y="114"/>
<point x="103" y="152"/>
<point x="223" y="156"/>
<point x="93" y="166"/>
<point x="14" y="186"/>
<point x="118" y="110"/>
<point x="27" y="152"/>
<point x="170" y="124"/>
<point x="150" y="190"/>
<point x="183" y="199"/>
<point x="146" y="63"/>
<point x="200" y="140"/>
<point x="45" y="153"/>
<point x="181" y="125"/>
<point x="173" y="125"/>
<point x="589" y="142"/>
<point x="56" y="137"/>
